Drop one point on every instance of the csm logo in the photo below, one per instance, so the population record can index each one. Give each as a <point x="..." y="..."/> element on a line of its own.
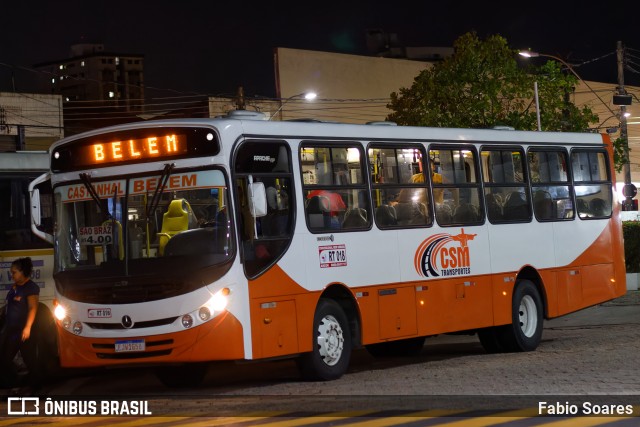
<point x="444" y="254"/>
<point x="23" y="406"/>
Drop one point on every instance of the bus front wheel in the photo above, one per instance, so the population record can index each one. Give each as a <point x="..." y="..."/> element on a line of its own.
<point x="331" y="352"/>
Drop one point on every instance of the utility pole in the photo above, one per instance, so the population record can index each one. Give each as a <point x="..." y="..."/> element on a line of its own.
<point x="629" y="189"/>
<point x="240" y="102"/>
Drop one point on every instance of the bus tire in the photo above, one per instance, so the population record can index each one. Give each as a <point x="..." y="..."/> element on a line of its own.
<point x="402" y="348"/>
<point x="490" y="339"/>
<point x="182" y="376"/>
<point x="331" y="352"/>
<point x="525" y="331"/>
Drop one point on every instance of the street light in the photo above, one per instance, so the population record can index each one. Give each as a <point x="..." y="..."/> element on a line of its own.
<point x="532" y="54"/>
<point x="622" y="116"/>
<point x="309" y="96"/>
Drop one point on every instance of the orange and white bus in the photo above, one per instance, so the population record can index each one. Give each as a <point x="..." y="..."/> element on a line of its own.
<point x="181" y="242"/>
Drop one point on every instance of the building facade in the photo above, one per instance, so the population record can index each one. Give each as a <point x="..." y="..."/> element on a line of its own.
<point x="30" y="121"/>
<point x="92" y="74"/>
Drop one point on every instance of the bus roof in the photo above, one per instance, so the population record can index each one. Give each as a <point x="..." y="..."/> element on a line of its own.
<point x="234" y="127"/>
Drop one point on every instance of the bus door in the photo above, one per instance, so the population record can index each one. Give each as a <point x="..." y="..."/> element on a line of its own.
<point x="455" y="259"/>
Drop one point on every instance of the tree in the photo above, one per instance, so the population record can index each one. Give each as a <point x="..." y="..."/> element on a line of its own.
<point x="481" y="86"/>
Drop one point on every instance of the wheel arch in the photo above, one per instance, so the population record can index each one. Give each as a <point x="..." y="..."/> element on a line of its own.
<point x="531" y="274"/>
<point x="339" y="293"/>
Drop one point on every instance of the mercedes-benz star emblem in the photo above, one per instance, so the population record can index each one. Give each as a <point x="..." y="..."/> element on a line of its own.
<point x="127" y="322"/>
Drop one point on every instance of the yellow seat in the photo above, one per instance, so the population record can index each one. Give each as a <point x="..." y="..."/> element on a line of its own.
<point x="174" y="221"/>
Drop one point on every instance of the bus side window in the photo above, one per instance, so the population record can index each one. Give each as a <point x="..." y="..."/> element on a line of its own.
<point x="552" y="191"/>
<point x="334" y="190"/>
<point x="591" y="176"/>
<point x="400" y="187"/>
<point x="456" y="188"/>
<point x="506" y="194"/>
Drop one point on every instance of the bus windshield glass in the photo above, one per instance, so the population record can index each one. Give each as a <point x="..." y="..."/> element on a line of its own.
<point x="128" y="225"/>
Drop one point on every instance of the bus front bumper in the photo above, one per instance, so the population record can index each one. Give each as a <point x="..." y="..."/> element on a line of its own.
<point x="219" y="339"/>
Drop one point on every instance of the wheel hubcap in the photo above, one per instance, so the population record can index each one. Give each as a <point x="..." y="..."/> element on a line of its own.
<point x="528" y="316"/>
<point x="330" y="340"/>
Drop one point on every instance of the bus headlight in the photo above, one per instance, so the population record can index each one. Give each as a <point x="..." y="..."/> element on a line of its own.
<point x="219" y="300"/>
<point x="66" y="322"/>
<point x="204" y="313"/>
<point x="187" y="321"/>
<point x="77" y="328"/>
<point x="60" y="312"/>
<point x="216" y="304"/>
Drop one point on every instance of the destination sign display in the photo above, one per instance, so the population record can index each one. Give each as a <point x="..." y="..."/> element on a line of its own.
<point x="138" y="145"/>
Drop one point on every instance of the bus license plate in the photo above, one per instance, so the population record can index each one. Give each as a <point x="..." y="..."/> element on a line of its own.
<point x="129" y="345"/>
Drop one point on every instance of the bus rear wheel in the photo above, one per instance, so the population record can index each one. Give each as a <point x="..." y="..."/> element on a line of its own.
<point x="525" y="331"/>
<point x="331" y="352"/>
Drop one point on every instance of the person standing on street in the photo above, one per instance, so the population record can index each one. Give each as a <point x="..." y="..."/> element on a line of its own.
<point x="20" y="313"/>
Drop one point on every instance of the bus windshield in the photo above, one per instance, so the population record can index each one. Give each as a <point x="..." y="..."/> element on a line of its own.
<point x="146" y="225"/>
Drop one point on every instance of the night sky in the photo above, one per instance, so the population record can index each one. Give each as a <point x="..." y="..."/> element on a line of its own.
<point x="212" y="47"/>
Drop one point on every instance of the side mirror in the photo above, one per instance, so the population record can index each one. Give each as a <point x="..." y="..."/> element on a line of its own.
<point x="41" y="207"/>
<point x="35" y="208"/>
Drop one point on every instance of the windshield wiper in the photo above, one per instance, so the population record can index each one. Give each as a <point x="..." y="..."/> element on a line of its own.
<point x="86" y="181"/>
<point x="155" y="199"/>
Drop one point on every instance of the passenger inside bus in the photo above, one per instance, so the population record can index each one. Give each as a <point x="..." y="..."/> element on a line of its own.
<point x="386" y="216"/>
<point x="411" y="204"/>
<point x="355" y="218"/>
<point x="325" y="206"/>
<point x="276" y="221"/>
<point x="543" y="205"/>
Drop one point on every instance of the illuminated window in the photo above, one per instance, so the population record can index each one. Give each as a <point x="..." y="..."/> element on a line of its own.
<point x="456" y="186"/>
<point x="594" y="197"/>
<point x="400" y="196"/>
<point x="111" y="94"/>
<point x="550" y="185"/>
<point x="334" y="188"/>
<point x="507" y="198"/>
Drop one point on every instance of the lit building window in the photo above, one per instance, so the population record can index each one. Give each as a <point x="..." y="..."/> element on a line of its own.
<point x="111" y="94"/>
<point x="82" y="63"/>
